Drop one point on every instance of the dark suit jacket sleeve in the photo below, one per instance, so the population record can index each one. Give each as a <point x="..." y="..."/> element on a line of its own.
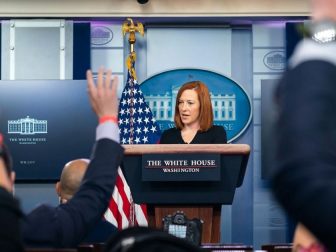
<point x="67" y="224"/>
<point x="305" y="176"/>
<point x="10" y="215"/>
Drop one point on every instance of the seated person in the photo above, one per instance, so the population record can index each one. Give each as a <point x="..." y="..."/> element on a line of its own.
<point x="71" y="178"/>
<point x="10" y="213"/>
<point x="194" y="118"/>
<point x="66" y="225"/>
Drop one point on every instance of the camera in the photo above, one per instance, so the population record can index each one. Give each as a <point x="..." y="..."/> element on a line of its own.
<point x="180" y="226"/>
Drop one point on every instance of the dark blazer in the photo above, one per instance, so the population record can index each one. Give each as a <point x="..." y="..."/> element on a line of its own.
<point x="67" y="224"/>
<point x="10" y="214"/>
<point x="305" y="170"/>
<point x="101" y="232"/>
<point x="215" y="135"/>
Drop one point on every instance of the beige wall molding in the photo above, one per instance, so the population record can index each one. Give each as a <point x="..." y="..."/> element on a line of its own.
<point x="154" y="8"/>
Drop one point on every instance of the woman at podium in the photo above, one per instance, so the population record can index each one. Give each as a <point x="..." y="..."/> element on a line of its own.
<point x="194" y="118"/>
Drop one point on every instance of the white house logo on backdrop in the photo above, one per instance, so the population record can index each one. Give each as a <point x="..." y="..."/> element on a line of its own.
<point x="162" y="106"/>
<point x="231" y="104"/>
<point x="275" y="60"/>
<point x="101" y="35"/>
<point x="27" y="126"/>
<point x="25" y="129"/>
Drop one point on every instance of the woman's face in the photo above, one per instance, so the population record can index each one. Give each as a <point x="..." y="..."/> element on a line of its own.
<point x="189" y="107"/>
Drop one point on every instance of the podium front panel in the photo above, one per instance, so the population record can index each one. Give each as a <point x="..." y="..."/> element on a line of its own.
<point x="186" y="192"/>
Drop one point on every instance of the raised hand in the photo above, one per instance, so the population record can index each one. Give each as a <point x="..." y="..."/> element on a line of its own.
<point x="103" y="93"/>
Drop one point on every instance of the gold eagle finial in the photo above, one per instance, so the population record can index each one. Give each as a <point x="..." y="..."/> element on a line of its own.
<point x="130" y="27"/>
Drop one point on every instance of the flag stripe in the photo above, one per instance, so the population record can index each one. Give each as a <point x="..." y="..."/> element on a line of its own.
<point x="123" y="191"/>
<point x="141" y="214"/>
<point x="109" y="216"/>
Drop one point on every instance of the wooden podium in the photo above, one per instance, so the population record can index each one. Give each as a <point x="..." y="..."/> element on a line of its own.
<point x="197" y="199"/>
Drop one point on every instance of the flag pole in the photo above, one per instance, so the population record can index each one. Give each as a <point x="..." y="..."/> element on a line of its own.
<point x="130" y="27"/>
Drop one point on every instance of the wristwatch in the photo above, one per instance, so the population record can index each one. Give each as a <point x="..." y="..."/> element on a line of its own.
<point x="323" y="31"/>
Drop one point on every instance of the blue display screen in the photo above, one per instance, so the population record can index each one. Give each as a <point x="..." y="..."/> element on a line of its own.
<point x="46" y="123"/>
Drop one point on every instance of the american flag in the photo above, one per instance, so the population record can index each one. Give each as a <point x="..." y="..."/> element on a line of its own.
<point x="136" y="126"/>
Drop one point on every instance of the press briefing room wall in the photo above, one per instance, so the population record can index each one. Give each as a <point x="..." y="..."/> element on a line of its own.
<point x="233" y="48"/>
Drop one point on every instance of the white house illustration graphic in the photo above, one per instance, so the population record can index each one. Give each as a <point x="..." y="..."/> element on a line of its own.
<point x="275" y="60"/>
<point x="163" y="105"/>
<point x="27" y="126"/>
